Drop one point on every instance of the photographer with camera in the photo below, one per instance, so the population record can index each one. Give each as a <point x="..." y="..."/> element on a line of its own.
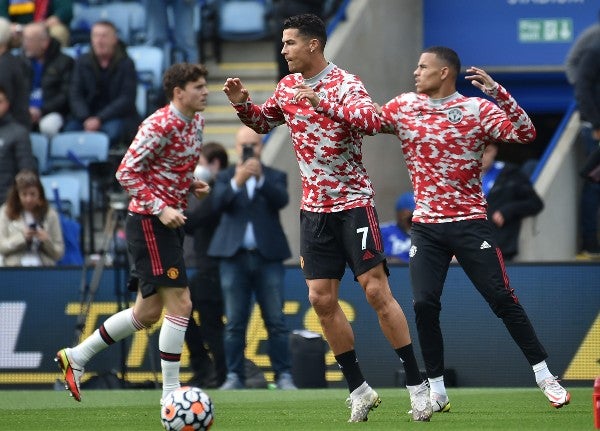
<point x="30" y="232"/>
<point x="252" y="246"/>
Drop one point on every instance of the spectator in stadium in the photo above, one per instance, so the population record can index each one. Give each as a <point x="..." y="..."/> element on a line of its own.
<point x="15" y="152"/>
<point x="49" y="72"/>
<point x="158" y="29"/>
<point x="30" y="232"/>
<point x="396" y="234"/>
<point x="443" y="136"/>
<point x="157" y="172"/>
<point x="328" y="110"/>
<point x="584" y="41"/>
<point x="103" y="88"/>
<point x="12" y="79"/>
<point x="56" y="14"/>
<point x="510" y="197"/>
<point x="587" y="94"/>
<point x="251" y="247"/>
<point x="205" y="338"/>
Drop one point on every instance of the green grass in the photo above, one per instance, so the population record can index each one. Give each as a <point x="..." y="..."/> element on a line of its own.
<point x="272" y="410"/>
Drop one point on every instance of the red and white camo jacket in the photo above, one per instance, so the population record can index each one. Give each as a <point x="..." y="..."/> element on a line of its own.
<point x="443" y="141"/>
<point x="157" y="169"/>
<point x="327" y="139"/>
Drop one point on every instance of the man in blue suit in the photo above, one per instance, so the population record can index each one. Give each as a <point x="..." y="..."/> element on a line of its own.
<point x="252" y="246"/>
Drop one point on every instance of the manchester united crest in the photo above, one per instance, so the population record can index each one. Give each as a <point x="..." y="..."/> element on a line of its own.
<point x="455" y="115"/>
<point x="173" y="273"/>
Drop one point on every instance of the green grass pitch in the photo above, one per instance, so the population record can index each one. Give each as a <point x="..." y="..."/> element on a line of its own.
<point x="306" y="409"/>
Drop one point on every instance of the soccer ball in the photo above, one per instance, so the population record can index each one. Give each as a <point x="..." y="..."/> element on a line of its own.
<point x="187" y="408"/>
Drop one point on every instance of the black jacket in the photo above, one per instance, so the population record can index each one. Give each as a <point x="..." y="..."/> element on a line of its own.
<point x="15" y="153"/>
<point x="56" y="79"/>
<point x="15" y="84"/>
<point x="201" y="224"/>
<point x="513" y="195"/>
<point x="87" y="90"/>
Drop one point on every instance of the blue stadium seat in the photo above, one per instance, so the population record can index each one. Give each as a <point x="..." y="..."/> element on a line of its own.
<point x="40" y="146"/>
<point x="243" y="19"/>
<point x="68" y="191"/>
<point x="149" y="64"/>
<point x="72" y="152"/>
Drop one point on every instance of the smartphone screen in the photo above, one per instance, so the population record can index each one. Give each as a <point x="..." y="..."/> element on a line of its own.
<point x="247" y="152"/>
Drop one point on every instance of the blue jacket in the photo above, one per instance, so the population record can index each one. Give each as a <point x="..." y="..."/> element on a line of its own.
<point x="237" y="209"/>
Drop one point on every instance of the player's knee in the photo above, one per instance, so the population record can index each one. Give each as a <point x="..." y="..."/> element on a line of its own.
<point x="148" y="316"/>
<point x="322" y="303"/>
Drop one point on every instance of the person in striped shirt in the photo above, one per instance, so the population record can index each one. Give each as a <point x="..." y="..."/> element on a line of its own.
<point x="443" y="135"/>
<point x="157" y="173"/>
<point x="328" y="111"/>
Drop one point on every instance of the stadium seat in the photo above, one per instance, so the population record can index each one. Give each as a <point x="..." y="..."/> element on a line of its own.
<point x="72" y="152"/>
<point x="40" y="146"/>
<point x="128" y="17"/>
<point x="149" y="64"/>
<point x="75" y="150"/>
<point x="235" y="20"/>
<point x="68" y="191"/>
<point x="243" y="19"/>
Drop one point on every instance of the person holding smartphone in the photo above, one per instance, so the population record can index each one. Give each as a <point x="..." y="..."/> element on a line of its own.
<point x="30" y="232"/>
<point x="251" y="246"/>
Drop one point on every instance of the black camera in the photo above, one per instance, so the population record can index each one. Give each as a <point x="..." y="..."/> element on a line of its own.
<point x="32" y="226"/>
<point x="247" y="152"/>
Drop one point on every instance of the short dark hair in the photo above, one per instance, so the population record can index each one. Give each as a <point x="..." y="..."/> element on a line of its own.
<point x="447" y="55"/>
<point x="180" y="74"/>
<point x="308" y="25"/>
<point x="214" y="150"/>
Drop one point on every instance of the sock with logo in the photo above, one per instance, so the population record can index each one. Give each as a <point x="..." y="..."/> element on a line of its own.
<point x="411" y="369"/>
<point x="170" y="344"/>
<point x="349" y="365"/>
<point x="541" y="371"/>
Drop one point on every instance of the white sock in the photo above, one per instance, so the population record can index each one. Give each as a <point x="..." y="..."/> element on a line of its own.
<point x="437" y="385"/>
<point x="170" y="344"/>
<point x="115" y="328"/>
<point x="541" y="371"/>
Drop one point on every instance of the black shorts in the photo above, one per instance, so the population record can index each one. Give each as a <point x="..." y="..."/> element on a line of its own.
<point x="330" y="240"/>
<point x="155" y="253"/>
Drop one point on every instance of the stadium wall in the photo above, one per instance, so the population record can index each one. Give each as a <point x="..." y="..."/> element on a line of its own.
<point x="39" y="310"/>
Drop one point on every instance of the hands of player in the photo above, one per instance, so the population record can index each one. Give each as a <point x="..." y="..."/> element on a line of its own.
<point x="247" y="169"/>
<point x="200" y="189"/>
<point x="480" y="79"/>
<point x="303" y="91"/>
<point x="171" y="218"/>
<point x="235" y="91"/>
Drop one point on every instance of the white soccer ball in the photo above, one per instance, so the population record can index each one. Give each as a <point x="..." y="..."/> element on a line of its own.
<point x="187" y="408"/>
